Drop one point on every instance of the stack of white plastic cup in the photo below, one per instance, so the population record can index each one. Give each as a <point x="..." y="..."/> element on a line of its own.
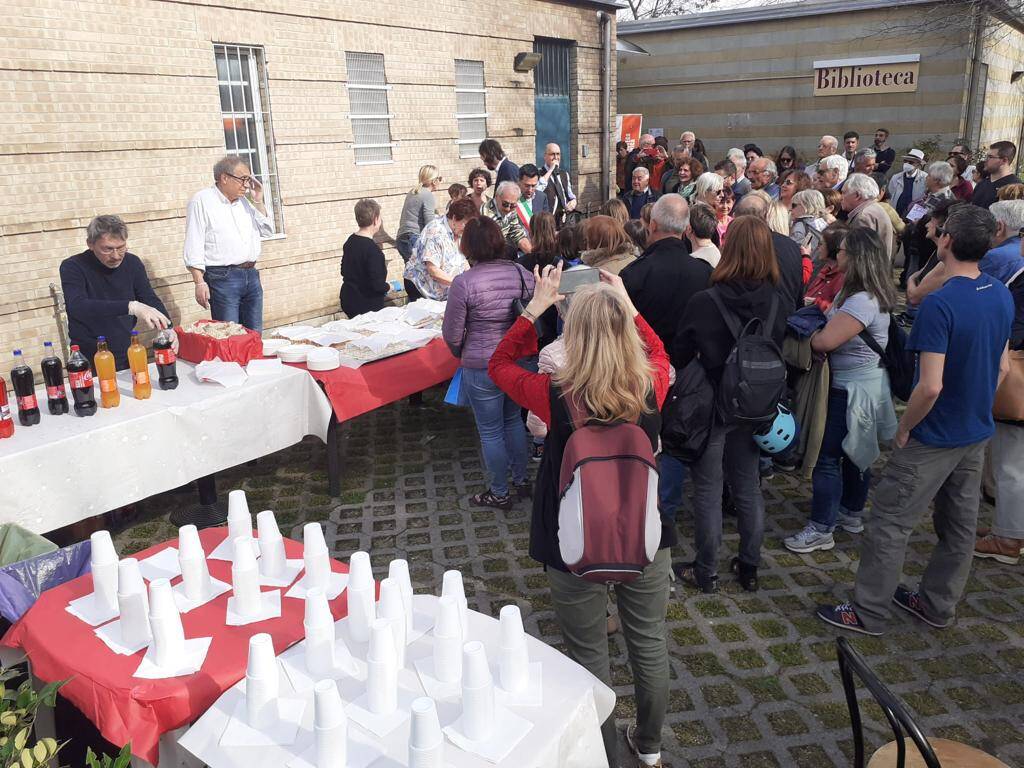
<point x="330" y="726"/>
<point x="382" y="669"/>
<point x="103" y="562"/>
<point x="245" y="580"/>
<point x="426" y="742"/>
<point x="398" y="570"/>
<point x="319" y="626"/>
<point x="477" y="693"/>
<point x="194" y="571"/>
<point x="392" y="608"/>
<point x="165" y="623"/>
<point x="239" y="517"/>
<point x="361" y="599"/>
<point x="316" y="557"/>
<point x="452" y="587"/>
<point x="447" y="642"/>
<point x="262" y="683"/>
<point x="515" y="658"/>
<point x="272" y="557"/>
<point x="132" y="602"/>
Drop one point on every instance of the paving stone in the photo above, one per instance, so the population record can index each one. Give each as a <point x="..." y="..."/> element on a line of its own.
<point x="753" y="677"/>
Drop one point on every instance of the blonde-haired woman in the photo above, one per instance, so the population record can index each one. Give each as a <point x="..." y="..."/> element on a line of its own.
<point x="419" y="209"/>
<point x="712" y="189"/>
<point x="615" y="369"/>
<point x="807" y="210"/>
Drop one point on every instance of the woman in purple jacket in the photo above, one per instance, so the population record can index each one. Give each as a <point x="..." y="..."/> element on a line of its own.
<point x="478" y="314"/>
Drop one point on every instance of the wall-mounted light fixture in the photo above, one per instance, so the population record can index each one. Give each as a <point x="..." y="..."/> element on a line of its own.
<point x="526" y="61"/>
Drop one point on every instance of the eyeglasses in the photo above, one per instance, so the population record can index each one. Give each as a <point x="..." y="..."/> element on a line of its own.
<point x="992" y="157"/>
<point x="245" y="180"/>
<point x="939" y="232"/>
<point x="506" y="205"/>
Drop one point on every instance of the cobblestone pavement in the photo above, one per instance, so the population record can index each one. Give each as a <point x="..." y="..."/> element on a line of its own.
<point x="754" y="679"/>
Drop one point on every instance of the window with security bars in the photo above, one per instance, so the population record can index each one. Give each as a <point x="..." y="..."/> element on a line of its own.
<point x="245" y="112"/>
<point x="368" y="108"/>
<point x="470" y="106"/>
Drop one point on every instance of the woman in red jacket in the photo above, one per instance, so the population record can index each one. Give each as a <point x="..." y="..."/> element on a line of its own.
<point x="616" y="369"/>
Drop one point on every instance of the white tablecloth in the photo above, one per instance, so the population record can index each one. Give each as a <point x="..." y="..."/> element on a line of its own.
<point x="68" y="468"/>
<point x="566" y="729"/>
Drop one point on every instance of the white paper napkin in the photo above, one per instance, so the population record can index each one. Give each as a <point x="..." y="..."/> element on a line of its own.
<point x="380" y="725"/>
<point x="436" y="689"/>
<point x="186" y="604"/>
<point x="509" y="730"/>
<point x="270" y="608"/>
<point x="90" y="610"/>
<point x="225" y="550"/>
<point x="291" y="570"/>
<point x="110" y="634"/>
<point x="240" y="734"/>
<point x="360" y="753"/>
<point x="217" y="371"/>
<point x="294" y="665"/>
<point x="336" y="584"/>
<point x="191" y="661"/>
<point x="163" y="565"/>
<point x="268" y="366"/>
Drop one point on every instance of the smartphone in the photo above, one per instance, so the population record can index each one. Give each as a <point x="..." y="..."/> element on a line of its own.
<point x="572" y="280"/>
<point x="808" y="240"/>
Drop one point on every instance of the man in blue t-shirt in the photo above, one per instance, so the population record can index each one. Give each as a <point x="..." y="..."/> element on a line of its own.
<point x="960" y="335"/>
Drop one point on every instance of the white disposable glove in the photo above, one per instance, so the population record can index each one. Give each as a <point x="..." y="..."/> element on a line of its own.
<point x="150" y="318"/>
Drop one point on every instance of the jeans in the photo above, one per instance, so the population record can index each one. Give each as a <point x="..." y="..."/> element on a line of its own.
<point x="838" y="484"/>
<point x="731" y="453"/>
<point x="1008" y="467"/>
<point x="671" y="475"/>
<point x="406" y="244"/>
<point x="912" y="478"/>
<point x="236" y="296"/>
<point x="580" y="609"/>
<point x="501" y="428"/>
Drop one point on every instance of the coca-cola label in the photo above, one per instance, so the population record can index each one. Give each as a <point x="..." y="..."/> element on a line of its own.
<point x="80" y="379"/>
<point x="5" y="412"/>
<point x="141" y="377"/>
<point x="164" y="356"/>
<point x="27" y="403"/>
<point x="108" y="385"/>
<point x="56" y="393"/>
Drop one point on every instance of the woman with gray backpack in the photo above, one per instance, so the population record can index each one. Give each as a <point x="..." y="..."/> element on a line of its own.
<point x="735" y="329"/>
<point x="595" y="505"/>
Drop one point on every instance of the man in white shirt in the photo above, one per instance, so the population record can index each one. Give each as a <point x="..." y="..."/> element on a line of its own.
<point x="223" y="227"/>
<point x="555" y="185"/>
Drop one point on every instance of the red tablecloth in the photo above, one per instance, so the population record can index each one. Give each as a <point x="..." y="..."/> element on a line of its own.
<point x="355" y="391"/>
<point x="125" y="708"/>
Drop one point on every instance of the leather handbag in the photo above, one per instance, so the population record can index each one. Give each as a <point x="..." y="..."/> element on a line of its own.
<point x="1009" y="401"/>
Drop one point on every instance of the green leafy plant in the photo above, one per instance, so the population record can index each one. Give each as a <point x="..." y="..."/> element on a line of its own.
<point x="18" y="707"/>
<point x="123" y="759"/>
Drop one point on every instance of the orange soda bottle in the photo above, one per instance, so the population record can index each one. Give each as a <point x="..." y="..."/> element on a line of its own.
<point x="141" y="385"/>
<point x="106" y="372"/>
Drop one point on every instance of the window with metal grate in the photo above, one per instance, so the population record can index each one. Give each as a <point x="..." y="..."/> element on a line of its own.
<point x="470" y="106"/>
<point x="368" y="108"/>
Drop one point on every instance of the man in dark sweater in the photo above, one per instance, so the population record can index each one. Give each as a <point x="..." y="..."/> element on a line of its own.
<point x="999" y="164"/>
<point x="106" y="292"/>
<point x="791" y="272"/>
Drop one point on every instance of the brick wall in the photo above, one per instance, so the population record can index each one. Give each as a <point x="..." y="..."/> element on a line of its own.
<point x="112" y="107"/>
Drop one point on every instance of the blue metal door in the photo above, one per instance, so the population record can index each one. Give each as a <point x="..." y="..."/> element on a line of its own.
<point x="552" y="104"/>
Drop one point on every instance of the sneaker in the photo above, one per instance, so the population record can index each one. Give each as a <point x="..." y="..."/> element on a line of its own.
<point x="844" y="617"/>
<point x="786" y="465"/>
<point x="631" y="743"/>
<point x="687" y="574"/>
<point x="850" y="523"/>
<point x="536" y="451"/>
<point x="910" y="602"/>
<point x="488" y="499"/>
<point x="768" y="470"/>
<point x="809" y="540"/>
<point x="523" y="490"/>
<point x="999" y="549"/>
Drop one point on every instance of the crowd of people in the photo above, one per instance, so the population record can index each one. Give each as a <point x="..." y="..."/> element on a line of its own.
<point x="696" y="265"/>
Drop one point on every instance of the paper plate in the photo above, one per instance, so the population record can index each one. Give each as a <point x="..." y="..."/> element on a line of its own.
<point x="324" y="359"/>
<point x="293" y="353"/>
<point x="272" y="346"/>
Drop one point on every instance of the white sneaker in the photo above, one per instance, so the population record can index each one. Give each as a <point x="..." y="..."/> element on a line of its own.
<point x="850" y="523"/>
<point x="809" y="540"/>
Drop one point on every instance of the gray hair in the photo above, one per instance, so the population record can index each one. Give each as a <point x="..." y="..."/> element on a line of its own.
<point x="737" y="153"/>
<point x="106" y="225"/>
<point x="836" y="163"/>
<point x="641" y="171"/>
<point x="1009" y="213"/>
<point x="708" y="182"/>
<point x="942" y="172"/>
<point x="755" y="203"/>
<point x="812" y="201"/>
<point x="867" y="152"/>
<point x="672" y="214"/>
<point x="227" y="164"/>
<point x="769" y="165"/>
<point x="827" y="139"/>
<point x="862" y="185"/>
<point x="507" y="186"/>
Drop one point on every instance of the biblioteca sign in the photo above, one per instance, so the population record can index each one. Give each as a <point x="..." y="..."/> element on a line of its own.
<point x="875" y="74"/>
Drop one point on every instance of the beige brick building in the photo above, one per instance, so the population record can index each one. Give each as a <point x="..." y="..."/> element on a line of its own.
<point x="748" y="75"/>
<point x="123" y="106"/>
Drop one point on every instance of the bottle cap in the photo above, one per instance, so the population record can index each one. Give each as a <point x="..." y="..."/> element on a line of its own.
<point x="101" y="338"/>
<point x="47" y="343"/>
<point x="74" y="348"/>
<point x="135" y="333"/>
<point x="17" y="353"/>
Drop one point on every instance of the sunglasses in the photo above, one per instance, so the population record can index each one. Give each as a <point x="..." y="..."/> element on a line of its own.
<point x="507" y="206"/>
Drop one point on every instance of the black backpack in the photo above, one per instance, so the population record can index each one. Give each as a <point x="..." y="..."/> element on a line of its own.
<point x="688" y="414"/>
<point x="897" y="360"/>
<point x="754" y="376"/>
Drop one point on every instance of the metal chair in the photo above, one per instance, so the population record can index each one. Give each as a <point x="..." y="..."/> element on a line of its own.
<point x="936" y="753"/>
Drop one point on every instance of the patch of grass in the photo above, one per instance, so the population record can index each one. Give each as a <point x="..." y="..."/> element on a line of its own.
<point x="688" y="636"/>
<point x="720" y="695"/>
<point x="747" y="658"/>
<point x="809" y="684"/>
<point x="768" y="628"/>
<point x="764" y="688"/>
<point x="787" y="723"/>
<point x="924" y="704"/>
<point x="703" y="665"/>
<point x="788" y="654"/>
<point x="692" y="734"/>
<point x="729" y="633"/>
<point x="965" y="698"/>
<point x="676" y="611"/>
<point x="712" y="608"/>
<point x="831" y="715"/>
<point x="739" y="729"/>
